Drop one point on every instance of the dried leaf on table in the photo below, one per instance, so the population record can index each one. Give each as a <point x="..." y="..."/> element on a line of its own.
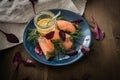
<point x="33" y="2"/>
<point x="98" y="33"/>
<point x="85" y="49"/>
<point x="28" y="63"/>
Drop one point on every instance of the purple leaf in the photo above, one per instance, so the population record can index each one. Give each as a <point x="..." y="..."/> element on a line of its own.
<point x="71" y="52"/>
<point x="77" y="21"/>
<point x="38" y="49"/>
<point x="28" y="62"/>
<point x="85" y="49"/>
<point x="98" y="33"/>
<point x="33" y="2"/>
<point x="62" y="35"/>
<point x="17" y="59"/>
<point x="12" y="38"/>
<point x="50" y="35"/>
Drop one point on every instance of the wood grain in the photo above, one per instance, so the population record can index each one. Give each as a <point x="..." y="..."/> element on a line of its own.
<point x="102" y="63"/>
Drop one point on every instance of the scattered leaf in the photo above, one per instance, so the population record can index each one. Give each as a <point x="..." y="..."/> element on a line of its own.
<point x="50" y="35"/>
<point x="62" y="35"/>
<point x="71" y="52"/>
<point x="28" y="63"/>
<point x="33" y="2"/>
<point x="98" y="33"/>
<point x="77" y="21"/>
<point x="38" y="49"/>
<point x="12" y="38"/>
<point x="17" y="59"/>
<point x="85" y="49"/>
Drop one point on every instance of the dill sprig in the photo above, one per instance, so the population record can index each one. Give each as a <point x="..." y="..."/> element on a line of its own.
<point x="59" y="45"/>
<point x="76" y="34"/>
<point x="33" y="36"/>
<point x="60" y="17"/>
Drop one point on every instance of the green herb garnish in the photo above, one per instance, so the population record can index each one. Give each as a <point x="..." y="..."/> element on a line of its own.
<point x="58" y="45"/>
<point x="60" y="18"/>
<point x="33" y="36"/>
<point x="76" y="34"/>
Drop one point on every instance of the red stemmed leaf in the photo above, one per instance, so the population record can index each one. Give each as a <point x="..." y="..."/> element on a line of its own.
<point x="33" y="2"/>
<point x="17" y="59"/>
<point x="71" y="52"/>
<point x="62" y="35"/>
<point x="85" y="49"/>
<point x="12" y="38"/>
<point x="50" y="35"/>
<point x="98" y="33"/>
<point x="28" y="63"/>
<point x="38" y="49"/>
<point x="77" y="21"/>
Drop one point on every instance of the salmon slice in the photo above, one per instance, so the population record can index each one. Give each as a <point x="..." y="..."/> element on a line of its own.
<point x="68" y="44"/>
<point x="57" y="36"/>
<point x="47" y="47"/>
<point x="66" y="26"/>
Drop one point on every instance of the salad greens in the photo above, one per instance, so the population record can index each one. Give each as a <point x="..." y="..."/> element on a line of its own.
<point x="58" y="45"/>
<point x="76" y="34"/>
<point x="33" y="36"/>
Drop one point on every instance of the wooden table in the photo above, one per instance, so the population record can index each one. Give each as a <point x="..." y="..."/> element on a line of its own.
<point x="103" y="63"/>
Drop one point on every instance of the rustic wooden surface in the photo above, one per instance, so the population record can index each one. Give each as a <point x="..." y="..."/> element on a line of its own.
<point x="103" y="63"/>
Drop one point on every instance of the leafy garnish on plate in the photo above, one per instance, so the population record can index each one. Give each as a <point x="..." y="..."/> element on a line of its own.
<point x="77" y="21"/>
<point x="50" y="35"/>
<point x="58" y="45"/>
<point x="62" y="35"/>
<point x="76" y="34"/>
<point x="60" y="17"/>
<point x="33" y="36"/>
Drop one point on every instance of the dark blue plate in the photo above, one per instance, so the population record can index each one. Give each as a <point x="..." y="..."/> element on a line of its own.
<point x="60" y="59"/>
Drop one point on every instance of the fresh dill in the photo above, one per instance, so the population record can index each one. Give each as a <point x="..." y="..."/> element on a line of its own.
<point x="33" y="36"/>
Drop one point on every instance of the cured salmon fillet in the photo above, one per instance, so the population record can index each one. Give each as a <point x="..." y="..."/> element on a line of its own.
<point x="57" y="36"/>
<point x="68" y="44"/>
<point x="66" y="26"/>
<point x="47" y="47"/>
